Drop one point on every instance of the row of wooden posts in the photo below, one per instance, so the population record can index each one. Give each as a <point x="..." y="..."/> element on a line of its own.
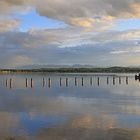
<point x="30" y="82"/>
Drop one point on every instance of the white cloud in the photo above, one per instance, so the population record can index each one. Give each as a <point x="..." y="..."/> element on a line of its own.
<point x="8" y="24"/>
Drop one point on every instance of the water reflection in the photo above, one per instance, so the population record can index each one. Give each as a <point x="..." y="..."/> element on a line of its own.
<point x="71" y="107"/>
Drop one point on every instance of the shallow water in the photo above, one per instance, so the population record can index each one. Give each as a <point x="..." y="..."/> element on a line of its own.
<point x="69" y="107"/>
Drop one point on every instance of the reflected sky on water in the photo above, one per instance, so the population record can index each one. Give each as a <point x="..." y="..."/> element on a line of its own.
<point x="97" y="107"/>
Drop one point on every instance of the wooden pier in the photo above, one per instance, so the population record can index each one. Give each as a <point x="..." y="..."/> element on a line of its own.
<point x="66" y="81"/>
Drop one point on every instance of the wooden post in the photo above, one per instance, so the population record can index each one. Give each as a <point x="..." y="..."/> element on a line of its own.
<point x="75" y="81"/>
<point x="43" y="82"/>
<point x="82" y="81"/>
<point x="126" y="80"/>
<point x="98" y="81"/>
<point x="119" y="80"/>
<point x="6" y="83"/>
<point x="49" y="83"/>
<point x="60" y="81"/>
<point x="113" y="80"/>
<point x="91" y="81"/>
<point x="66" y="82"/>
<point x="31" y="83"/>
<point x="26" y="82"/>
<point x="107" y="81"/>
<point x="10" y="83"/>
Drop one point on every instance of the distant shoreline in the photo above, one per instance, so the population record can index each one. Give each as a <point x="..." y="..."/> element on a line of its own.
<point x="73" y="70"/>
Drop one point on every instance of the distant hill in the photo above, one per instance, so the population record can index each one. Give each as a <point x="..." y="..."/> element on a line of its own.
<point x="74" y="70"/>
<point x="55" y="66"/>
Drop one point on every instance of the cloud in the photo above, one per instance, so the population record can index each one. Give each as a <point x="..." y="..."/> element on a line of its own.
<point x="68" y="46"/>
<point x="80" y="12"/>
<point x="61" y="9"/>
<point x="8" y="120"/>
<point x="7" y="7"/>
<point x="128" y="50"/>
<point x="135" y="8"/>
<point x="82" y="22"/>
<point x="134" y="34"/>
<point x="8" y="24"/>
<point x="20" y="60"/>
<point x="96" y="24"/>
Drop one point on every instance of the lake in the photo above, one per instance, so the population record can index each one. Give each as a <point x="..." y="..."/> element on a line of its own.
<point x="69" y="107"/>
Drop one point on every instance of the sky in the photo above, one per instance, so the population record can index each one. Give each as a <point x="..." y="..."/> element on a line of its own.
<point x="59" y="32"/>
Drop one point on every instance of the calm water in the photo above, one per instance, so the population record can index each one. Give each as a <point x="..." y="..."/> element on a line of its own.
<point x="69" y="107"/>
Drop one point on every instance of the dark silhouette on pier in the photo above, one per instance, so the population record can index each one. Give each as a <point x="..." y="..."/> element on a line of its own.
<point x="137" y="77"/>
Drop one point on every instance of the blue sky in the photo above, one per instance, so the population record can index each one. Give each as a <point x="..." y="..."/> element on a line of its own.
<point x="33" y="20"/>
<point x="75" y="32"/>
<point x="128" y="24"/>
